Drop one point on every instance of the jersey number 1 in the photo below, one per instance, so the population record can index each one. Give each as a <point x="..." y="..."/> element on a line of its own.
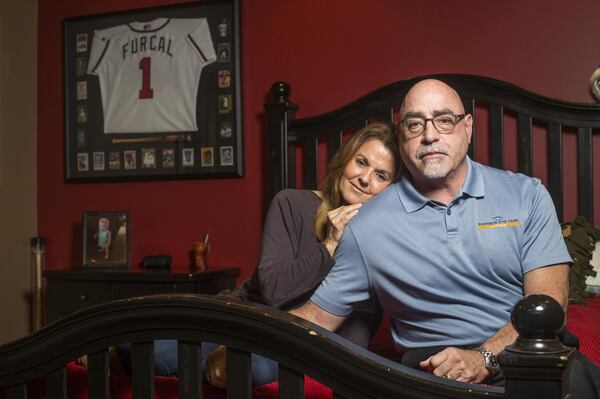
<point x="146" y="91"/>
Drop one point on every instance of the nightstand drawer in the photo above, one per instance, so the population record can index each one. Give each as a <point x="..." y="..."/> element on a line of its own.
<point x="70" y="296"/>
<point x="72" y="290"/>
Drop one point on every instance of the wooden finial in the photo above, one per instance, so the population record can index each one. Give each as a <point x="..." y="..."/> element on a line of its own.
<point x="281" y="92"/>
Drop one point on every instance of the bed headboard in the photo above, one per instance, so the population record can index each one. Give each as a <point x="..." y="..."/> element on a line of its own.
<point x="513" y="129"/>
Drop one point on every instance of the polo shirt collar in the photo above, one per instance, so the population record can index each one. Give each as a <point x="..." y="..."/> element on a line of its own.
<point x="474" y="185"/>
<point x="412" y="200"/>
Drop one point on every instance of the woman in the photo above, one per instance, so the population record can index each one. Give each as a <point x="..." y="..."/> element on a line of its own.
<point x="301" y="233"/>
<point x="302" y="230"/>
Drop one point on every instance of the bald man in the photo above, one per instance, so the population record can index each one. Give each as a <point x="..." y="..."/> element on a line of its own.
<point x="448" y="250"/>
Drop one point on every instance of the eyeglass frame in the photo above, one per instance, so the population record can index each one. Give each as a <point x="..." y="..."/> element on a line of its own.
<point x="459" y="117"/>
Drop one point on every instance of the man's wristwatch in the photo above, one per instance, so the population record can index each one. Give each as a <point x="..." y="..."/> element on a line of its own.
<point x="491" y="361"/>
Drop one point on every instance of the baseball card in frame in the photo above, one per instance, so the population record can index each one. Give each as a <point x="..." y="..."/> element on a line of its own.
<point x="148" y="91"/>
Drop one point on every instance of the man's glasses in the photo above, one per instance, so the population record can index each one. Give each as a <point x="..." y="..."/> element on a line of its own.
<point x="444" y="124"/>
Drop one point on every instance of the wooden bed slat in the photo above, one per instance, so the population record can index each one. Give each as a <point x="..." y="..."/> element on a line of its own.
<point x="239" y="379"/>
<point x="389" y="118"/>
<point x="291" y="383"/>
<point x="311" y="160"/>
<point x="18" y="391"/>
<point x="524" y="145"/>
<point x="555" y="168"/>
<point x="291" y="168"/>
<point x="56" y="384"/>
<point x="98" y="377"/>
<point x="335" y="142"/>
<point x="584" y="173"/>
<point x="470" y="109"/>
<point x="189" y="370"/>
<point x="496" y="136"/>
<point x="142" y="370"/>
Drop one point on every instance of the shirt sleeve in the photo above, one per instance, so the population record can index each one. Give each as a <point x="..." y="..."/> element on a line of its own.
<point x="202" y="42"/>
<point x="347" y="284"/>
<point x="99" y="48"/>
<point x="289" y="270"/>
<point x="543" y="243"/>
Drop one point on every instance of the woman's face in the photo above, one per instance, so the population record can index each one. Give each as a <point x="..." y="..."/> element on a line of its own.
<point x="367" y="173"/>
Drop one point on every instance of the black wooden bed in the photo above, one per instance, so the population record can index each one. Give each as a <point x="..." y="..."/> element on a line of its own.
<point x="534" y="368"/>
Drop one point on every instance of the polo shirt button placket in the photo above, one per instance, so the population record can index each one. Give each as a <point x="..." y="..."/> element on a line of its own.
<point x="451" y="223"/>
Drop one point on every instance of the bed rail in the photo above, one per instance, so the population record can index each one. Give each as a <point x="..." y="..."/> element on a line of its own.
<point x="300" y="348"/>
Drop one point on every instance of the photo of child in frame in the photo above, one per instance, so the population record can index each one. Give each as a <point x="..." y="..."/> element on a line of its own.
<point x="105" y="239"/>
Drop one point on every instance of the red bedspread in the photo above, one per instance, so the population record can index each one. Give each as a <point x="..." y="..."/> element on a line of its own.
<point x="584" y="321"/>
<point x="166" y="387"/>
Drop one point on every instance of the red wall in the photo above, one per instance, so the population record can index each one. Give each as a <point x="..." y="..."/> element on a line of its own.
<point x="331" y="52"/>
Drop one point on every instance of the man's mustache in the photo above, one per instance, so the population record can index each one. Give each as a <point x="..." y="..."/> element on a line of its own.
<point x="438" y="149"/>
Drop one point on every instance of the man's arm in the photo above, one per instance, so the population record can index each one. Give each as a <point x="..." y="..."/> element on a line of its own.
<point x="311" y="312"/>
<point x="215" y="367"/>
<point x="469" y="366"/>
<point x="550" y="280"/>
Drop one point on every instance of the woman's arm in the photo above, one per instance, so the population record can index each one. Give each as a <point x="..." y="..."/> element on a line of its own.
<point x="292" y="261"/>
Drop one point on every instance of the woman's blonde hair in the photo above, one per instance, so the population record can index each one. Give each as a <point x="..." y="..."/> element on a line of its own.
<point x="330" y="188"/>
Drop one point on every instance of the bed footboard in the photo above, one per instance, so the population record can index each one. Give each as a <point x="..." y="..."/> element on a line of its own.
<point x="300" y="347"/>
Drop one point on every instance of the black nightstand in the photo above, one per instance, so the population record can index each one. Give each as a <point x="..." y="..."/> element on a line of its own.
<point x="75" y="289"/>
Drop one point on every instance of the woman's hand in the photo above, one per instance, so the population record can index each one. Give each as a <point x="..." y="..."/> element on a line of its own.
<point x="338" y="219"/>
<point x="216" y="367"/>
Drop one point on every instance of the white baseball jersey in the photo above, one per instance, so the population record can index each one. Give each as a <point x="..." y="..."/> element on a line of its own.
<point x="149" y="73"/>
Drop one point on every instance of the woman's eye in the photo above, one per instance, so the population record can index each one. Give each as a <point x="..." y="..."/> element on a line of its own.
<point x="380" y="177"/>
<point x="361" y="162"/>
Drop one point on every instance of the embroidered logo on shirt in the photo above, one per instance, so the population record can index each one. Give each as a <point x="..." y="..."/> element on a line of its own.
<point x="499" y="221"/>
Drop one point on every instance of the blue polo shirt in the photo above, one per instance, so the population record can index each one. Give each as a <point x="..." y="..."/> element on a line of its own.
<point x="447" y="275"/>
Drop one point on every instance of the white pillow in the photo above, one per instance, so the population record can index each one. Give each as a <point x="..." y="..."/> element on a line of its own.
<point x="593" y="283"/>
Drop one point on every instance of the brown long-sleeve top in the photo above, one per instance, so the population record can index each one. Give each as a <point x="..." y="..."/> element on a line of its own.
<point x="293" y="262"/>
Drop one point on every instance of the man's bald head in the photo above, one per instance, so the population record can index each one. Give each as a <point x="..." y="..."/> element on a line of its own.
<point x="434" y="90"/>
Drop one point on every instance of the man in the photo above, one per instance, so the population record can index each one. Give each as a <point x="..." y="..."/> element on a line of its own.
<point x="448" y="250"/>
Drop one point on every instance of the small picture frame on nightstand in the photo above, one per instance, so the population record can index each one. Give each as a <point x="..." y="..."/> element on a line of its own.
<point x="106" y="239"/>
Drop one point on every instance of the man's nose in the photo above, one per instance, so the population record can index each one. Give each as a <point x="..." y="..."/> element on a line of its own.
<point x="430" y="133"/>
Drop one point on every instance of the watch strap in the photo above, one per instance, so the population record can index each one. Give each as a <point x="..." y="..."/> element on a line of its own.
<point x="491" y="360"/>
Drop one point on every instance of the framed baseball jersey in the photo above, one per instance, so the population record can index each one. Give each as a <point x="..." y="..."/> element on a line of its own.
<point x="147" y="84"/>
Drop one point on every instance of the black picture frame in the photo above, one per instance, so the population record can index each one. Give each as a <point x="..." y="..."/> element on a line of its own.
<point x="130" y="94"/>
<point x="106" y="239"/>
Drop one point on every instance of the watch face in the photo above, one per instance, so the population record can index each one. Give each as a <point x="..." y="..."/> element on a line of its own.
<point x="492" y="361"/>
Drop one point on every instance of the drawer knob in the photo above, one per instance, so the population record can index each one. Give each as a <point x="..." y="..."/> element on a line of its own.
<point x="83" y="297"/>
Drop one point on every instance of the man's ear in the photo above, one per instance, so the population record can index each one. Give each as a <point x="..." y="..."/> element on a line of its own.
<point x="469" y="125"/>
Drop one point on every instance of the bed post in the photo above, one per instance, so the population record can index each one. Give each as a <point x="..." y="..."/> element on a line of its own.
<point x="537" y="364"/>
<point x="279" y="112"/>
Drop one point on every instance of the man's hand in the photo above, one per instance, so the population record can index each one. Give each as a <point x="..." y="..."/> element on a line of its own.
<point x="216" y="367"/>
<point x="457" y="364"/>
